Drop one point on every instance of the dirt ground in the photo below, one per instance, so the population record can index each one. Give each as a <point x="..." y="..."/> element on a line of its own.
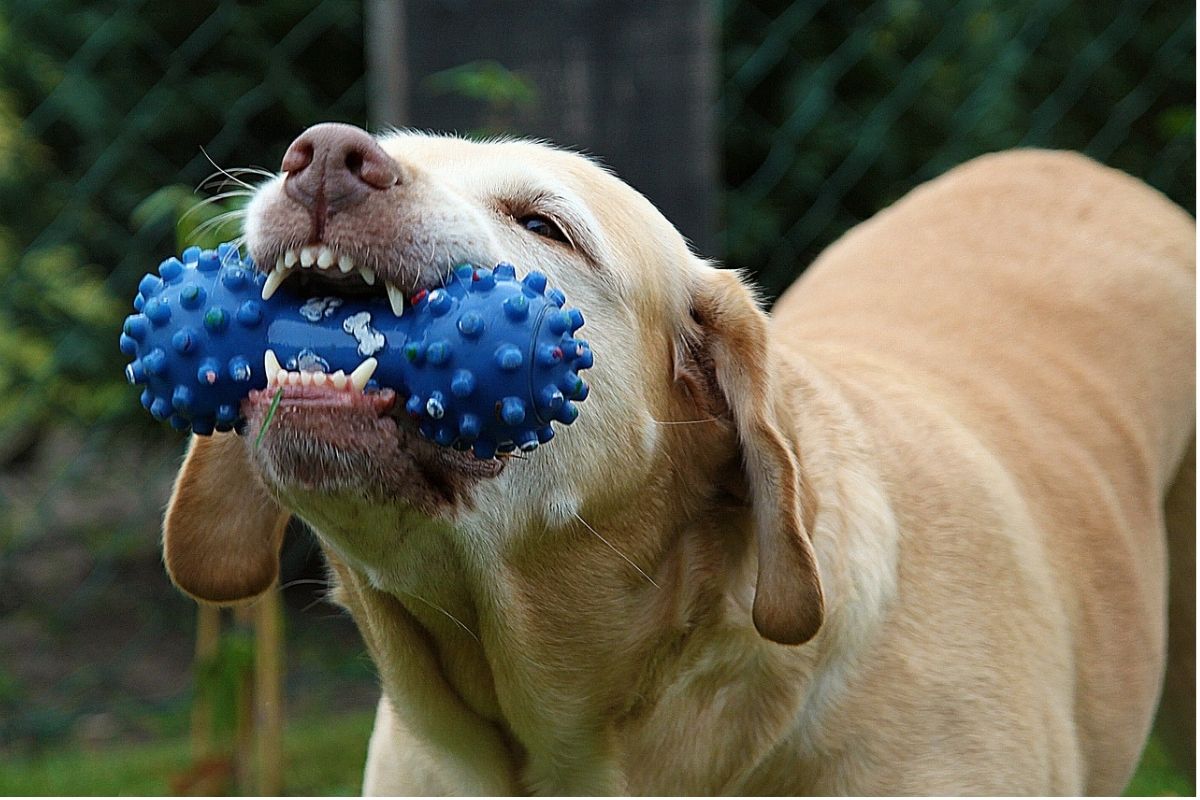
<point x="95" y="644"/>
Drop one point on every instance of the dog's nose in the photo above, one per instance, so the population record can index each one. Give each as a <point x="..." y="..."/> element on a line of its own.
<point x="332" y="166"/>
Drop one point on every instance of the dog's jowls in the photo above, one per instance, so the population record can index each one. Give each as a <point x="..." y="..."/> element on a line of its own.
<point x="904" y="536"/>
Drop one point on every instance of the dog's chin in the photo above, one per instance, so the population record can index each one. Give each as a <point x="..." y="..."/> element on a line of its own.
<point x="335" y="443"/>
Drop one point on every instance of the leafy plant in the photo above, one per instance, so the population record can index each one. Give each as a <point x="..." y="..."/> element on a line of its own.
<point x="104" y="108"/>
<point x="503" y="92"/>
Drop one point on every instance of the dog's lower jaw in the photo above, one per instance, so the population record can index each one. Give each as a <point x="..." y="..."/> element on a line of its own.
<point x="358" y="451"/>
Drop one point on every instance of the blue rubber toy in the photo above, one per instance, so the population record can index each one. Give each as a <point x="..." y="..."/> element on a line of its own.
<point x="486" y="362"/>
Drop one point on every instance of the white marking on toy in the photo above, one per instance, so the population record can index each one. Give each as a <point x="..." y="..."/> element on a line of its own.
<point x="370" y="341"/>
<point x="317" y="307"/>
<point x="308" y="361"/>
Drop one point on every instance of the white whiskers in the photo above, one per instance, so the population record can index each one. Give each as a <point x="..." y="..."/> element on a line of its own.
<point x="221" y="220"/>
<point x="448" y="615"/>
<point x="684" y="421"/>
<point x="230" y="175"/>
<point x="624" y="557"/>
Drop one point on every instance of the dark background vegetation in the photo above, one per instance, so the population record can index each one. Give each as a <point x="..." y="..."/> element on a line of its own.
<point x="827" y="112"/>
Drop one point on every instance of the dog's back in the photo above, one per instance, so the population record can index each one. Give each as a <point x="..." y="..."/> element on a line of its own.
<point x="1046" y="304"/>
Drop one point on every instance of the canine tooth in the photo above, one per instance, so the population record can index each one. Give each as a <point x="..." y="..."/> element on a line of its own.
<point x="318" y="378"/>
<point x="279" y="262"/>
<point x="293" y="378"/>
<point x="345" y="263"/>
<point x="290" y="258"/>
<point x="362" y="373"/>
<point x="368" y="275"/>
<point x="276" y="277"/>
<point x="396" y="298"/>
<point x="271" y="365"/>
<point x="325" y="258"/>
<point x="307" y="256"/>
<point x="338" y="379"/>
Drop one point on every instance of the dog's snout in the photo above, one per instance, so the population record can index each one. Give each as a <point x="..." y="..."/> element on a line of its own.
<point x="332" y="166"/>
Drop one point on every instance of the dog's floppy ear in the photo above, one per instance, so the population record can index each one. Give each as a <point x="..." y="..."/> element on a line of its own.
<point x="728" y="345"/>
<point x="222" y="531"/>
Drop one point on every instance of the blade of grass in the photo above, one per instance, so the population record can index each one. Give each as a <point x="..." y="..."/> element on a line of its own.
<point x="270" y="416"/>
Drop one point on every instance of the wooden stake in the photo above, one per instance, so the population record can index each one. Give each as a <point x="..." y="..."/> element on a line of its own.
<point x="268" y="692"/>
<point x="208" y="638"/>
<point x="243" y="734"/>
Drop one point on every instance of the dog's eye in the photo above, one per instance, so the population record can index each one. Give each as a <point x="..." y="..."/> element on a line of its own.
<point x="543" y="226"/>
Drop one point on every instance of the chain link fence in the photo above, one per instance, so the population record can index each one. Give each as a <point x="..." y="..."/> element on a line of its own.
<point x="828" y="110"/>
<point x="832" y="110"/>
<point x="100" y="103"/>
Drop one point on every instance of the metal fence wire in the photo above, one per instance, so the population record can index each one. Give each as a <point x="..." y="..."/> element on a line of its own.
<point x="829" y="110"/>
<point x="100" y="104"/>
<point x="832" y="109"/>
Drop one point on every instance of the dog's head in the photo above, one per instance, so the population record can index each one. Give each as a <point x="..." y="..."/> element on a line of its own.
<point x="683" y="413"/>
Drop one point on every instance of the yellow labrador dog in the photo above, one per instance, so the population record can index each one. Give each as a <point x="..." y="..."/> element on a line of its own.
<point x="903" y="535"/>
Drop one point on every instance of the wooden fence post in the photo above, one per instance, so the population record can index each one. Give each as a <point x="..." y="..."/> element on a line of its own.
<point x="254" y="759"/>
<point x="243" y="732"/>
<point x="268" y="692"/>
<point x="630" y="81"/>
<point x="208" y="638"/>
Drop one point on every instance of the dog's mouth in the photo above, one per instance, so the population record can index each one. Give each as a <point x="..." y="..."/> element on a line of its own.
<point x="321" y="269"/>
<point x="342" y="432"/>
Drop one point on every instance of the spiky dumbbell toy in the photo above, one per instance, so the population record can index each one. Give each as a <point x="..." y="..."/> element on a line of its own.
<point x="486" y="362"/>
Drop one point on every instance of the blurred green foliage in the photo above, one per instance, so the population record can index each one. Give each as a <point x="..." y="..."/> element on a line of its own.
<point x="832" y="110"/>
<point x="219" y="678"/>
<point x="105" y="107"/>
<point x="323" y="755"/>
<point x="501" y="93"/>
<point x="102" y="104"/>
<point x="486" y="81"/>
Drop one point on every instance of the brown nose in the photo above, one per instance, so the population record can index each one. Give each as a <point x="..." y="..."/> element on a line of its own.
<point x="331" y="167"/>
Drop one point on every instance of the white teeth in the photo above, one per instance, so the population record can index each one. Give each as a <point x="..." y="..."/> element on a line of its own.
<point x="323" y="257"/>
<point x="276" y="277"/>
<point x="396" y="298"/>
<point x="271" y="365"/>
<point x="362" y="373"/>
<point x="338" y="380"/>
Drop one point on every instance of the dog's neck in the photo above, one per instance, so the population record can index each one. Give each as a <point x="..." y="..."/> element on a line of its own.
<point x="567" y="649"/>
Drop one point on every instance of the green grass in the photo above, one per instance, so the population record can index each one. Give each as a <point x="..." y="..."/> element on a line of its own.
<point x="324" y="756"/>
<point x="1156" y="776"/>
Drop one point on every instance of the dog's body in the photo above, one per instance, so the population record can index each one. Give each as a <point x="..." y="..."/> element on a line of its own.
<point x="1018" y="343"/>
<point x="908" y="537"/>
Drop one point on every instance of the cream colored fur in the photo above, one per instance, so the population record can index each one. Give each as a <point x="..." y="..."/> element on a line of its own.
<point x="904" y="536"/>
